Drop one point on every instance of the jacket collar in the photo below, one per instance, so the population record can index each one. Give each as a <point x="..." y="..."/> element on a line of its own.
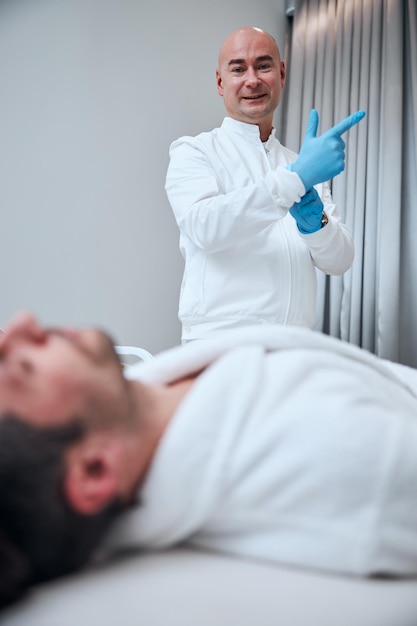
<point x="250" y="131"/>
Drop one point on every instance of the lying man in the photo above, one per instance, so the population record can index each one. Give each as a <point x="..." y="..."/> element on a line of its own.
<point x="275" y="443"/>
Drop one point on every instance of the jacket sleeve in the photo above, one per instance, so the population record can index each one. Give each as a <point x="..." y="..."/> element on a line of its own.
<point x="331" y="247"/>
<point x="214" y="219"/>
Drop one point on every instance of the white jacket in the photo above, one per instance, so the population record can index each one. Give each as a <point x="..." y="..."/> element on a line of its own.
<point x="245" y="260"/>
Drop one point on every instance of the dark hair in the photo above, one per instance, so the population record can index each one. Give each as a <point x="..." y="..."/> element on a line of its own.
<point x="41" y="537"/>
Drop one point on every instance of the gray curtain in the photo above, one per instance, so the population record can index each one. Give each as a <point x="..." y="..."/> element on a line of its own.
<point x="344" y="55"/>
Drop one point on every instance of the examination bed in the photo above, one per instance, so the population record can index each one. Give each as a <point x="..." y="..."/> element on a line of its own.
<point x="183" y="587"/>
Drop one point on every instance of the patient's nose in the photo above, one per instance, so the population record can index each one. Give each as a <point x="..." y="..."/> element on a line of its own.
<point x="22" y="326"/>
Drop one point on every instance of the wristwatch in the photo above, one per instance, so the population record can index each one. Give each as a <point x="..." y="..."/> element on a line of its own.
<point x="324" y="220"/>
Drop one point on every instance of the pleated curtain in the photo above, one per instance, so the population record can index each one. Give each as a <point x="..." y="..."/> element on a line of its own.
<point x="362" y="54"/>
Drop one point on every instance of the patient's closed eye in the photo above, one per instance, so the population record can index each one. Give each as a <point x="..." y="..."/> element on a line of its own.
<point x="16" y="366"/>
<point x="25" y="365"/>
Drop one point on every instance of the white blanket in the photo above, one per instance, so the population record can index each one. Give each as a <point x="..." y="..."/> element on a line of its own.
<point x="291" y="446"/>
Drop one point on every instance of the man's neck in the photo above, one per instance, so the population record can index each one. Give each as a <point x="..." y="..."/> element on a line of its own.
<point x="155" y="406"/>
<point x="265" y="131"/>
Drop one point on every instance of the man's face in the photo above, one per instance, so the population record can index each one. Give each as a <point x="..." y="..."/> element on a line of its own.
<point x="48" y="377"/>
<point x="250" y="76"/>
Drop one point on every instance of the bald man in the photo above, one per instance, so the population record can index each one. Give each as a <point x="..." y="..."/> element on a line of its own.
<point x="255" y="218"/>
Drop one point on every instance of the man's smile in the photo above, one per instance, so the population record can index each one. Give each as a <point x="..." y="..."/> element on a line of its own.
<point x="255" y="97"/>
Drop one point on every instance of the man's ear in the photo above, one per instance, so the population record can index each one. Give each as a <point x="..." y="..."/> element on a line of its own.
<point x="283" y="74"/>
<point x="219" y="83"/>
<point x="91" y="474"/>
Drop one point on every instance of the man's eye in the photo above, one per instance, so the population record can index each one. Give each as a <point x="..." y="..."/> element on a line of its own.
<point x="238" y="70"/>
<point x="25" y="366"/>
<point x="264" y="66"/>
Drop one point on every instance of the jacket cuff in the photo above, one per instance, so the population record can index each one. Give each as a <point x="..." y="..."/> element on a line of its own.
<point x="285" y="187"/>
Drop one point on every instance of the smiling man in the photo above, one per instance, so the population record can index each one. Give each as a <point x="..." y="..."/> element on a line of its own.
<point x="264" y="442"/>
<point x="250" y="78"/>
<point x="255" y="218"/>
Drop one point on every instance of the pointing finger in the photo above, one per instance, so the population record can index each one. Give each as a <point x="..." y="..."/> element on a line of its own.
<point x="347" y="123"/>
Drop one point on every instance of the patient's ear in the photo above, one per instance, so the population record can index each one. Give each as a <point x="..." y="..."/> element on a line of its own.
<point x="91" y="473"/>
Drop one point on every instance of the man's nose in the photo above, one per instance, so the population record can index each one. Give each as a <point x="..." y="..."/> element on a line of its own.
<point x="22" y="326"/>
<point x="252" y="78"/>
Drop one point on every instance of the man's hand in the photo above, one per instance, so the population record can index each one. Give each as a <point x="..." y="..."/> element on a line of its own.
<point x="322" y="158"/>
<point x="308" y="212"/>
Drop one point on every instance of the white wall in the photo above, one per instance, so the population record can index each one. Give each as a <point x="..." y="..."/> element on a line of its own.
<point x="92" y="94"/>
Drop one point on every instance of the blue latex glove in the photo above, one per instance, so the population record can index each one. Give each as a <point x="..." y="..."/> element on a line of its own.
<point x="322" y="158"/>
<point x="307" y="213"/>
